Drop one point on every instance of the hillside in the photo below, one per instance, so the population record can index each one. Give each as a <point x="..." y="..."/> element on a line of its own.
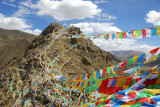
<point x="13" y="44"/>
<point x="7" y="36"/>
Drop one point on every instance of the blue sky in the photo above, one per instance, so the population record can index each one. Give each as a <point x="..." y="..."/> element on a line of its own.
<point x="92" y="16"/>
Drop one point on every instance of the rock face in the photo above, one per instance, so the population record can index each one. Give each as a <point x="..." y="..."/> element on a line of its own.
<point x="66" y="57"/>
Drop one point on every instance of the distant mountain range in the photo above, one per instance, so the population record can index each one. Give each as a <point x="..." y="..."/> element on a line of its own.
<point x="124" y="55"/>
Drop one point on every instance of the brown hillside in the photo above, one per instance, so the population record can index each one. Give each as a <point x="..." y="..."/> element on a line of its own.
<point x="13" y="44"/>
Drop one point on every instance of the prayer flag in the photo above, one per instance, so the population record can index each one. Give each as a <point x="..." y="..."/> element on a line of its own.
<point x="140" y="58"/>
<point x="97" y="74"/>
<point x="143" y="33"/>
<point x="154" y="31"/>
<point x="123" y="64"/>
<point x="151" y="59"/>
<point x="158" y="30"/>
<point x="117" y="35"/>
<point x="108" y="70"/>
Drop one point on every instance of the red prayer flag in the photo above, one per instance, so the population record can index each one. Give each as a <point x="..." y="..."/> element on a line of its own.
<point x="107" y="36"/>
<point x="89" y="75"/>
<point x="89" y="82"/>
<point x="79" y="103"/>
<point x="143" y="33"/>
<point x="124" y="35"/>
<point x="77" y="78"/>
<point x="104" y="71"/>
<point x="154" y="50"/>
<point x="132" y="95"/>
<point x="78" y="84"/>
<point x="123" y="64"/>
<point x="129" y="81"/>
<point x="120" y="72"/>
<point x="138" y="79"/>
<point x="107" y="101"/>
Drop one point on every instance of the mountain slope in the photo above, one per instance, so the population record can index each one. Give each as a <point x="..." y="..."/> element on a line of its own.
<point x="13" y="44"/>
<point x="7" y="36"/>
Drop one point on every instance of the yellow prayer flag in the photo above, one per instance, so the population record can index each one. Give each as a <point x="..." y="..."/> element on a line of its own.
<point x="151" y="59"/>
<point x="135" y="34"/>
<point x="99" y="83"/>
<point x="119" y="82"/>
<point x="80" y="78"/>
<point x="52" y="75"/>
<point x="112" y="69"/>
<point x="101" y="35"/>
<point x="135" y="58"/>
<point x="158" y="30"/>
<point x="125" y="87"/>
<point x="94" y="74"/>
<point x="136" y="72"/>
<point x="155" y="91"/>
<point x="117" y="35"/>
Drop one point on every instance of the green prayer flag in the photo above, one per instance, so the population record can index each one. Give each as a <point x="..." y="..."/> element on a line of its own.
<point x="105" y="36"/>
<point x="92" y="75"/>
<point x="101" y="104"/>
<point x="137" y="104"/>
<point x="108" y="70"/>
<point x="123" y="81"/>
<point x="120" y="35"/>
<point x="141" y="95"/>
<point x="75" y="83"/>
<point x="130" y="61"/>
<point x="139" y="33"/>
<point x="133" y="82"/>
<point x="114" y="75"/>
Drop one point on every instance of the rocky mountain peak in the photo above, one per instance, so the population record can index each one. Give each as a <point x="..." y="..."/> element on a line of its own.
<point x="52" y="27"/>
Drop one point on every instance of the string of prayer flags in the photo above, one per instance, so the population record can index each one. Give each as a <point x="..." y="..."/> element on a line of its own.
<point x="141" y="33"/>
<point x="112" y="69"/>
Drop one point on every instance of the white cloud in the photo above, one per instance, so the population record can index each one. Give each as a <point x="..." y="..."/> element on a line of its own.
<point x="101" y="1"/>
<point x="122" y="44"/>
<point x="153" y="17"/>
<point x="92" y="27"/>
<point x="64" y="10"/>
<point x="36" y="31"/>
<point x="22" y="11"/>
<point x="107" y="17"/>
<point x="8" y="3"/>
<point x="14" y="23"/>
<point x="12" y="0"/>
